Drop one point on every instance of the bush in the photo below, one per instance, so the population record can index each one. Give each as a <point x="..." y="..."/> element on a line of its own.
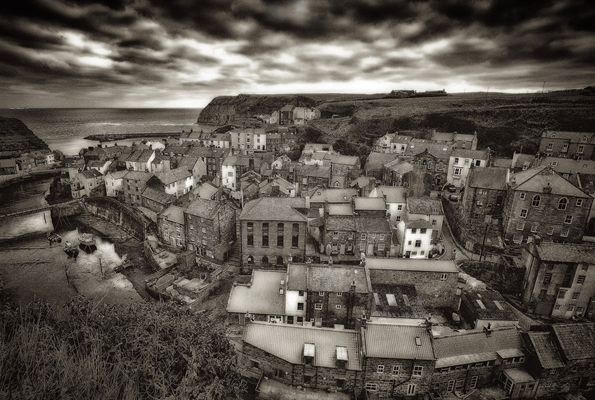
<point x="147" y="350"/>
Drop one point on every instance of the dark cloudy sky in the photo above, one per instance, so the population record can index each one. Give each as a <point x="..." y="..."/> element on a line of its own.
<point x="182" y="53"/>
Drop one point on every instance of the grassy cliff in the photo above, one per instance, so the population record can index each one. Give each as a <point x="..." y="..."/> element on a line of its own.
<point x="16" y="138"/>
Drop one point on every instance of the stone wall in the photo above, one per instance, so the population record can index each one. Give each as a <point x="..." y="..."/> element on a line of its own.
<point x="387" y="382"/>
<point x="119" y="214"/>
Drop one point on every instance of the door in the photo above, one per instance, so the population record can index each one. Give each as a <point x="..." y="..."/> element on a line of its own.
<point x="342" y="251"/>
<point x="370" y="251"/>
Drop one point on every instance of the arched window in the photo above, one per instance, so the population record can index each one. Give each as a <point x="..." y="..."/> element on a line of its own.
<point x="536" y="200"/>
<point x="562" y="203"/>
<point x="250" y="260"/>
<point x="279" y="260"/>
<point x="265" y="260"/>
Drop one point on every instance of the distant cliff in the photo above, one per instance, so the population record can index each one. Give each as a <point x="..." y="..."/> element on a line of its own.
<point x="229" y="109"/>
<point x="16" y="138"/>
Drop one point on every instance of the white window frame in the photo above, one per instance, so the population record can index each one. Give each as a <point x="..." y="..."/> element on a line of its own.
<point x="318" y="306"/>
<point x="380" y="369"/>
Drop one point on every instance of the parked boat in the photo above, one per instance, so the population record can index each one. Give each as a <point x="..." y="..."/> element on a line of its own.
<point x="71" y="250"/>
<point x="87" y="243"/>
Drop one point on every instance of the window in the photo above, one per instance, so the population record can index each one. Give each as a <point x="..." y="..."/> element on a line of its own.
<point x="443" y="277"/>
<point x="410" y="389"/>
<point x="564" y="233"/>
<point x="562" y="203"/>
<point x="414" y="231"/>
<point x="300" y="306"/>
<point x="280" y="228"/>
<point x="372" y="387"/>
<point x="422" y="230"/>
<point x="364" y="236"/>
<point x="318" y="306"/>
<point x="561" y="294"/>
<point x="579" y="202"/>
<point x="523" y="213"/>
<point x="557" y="307"/>
<point x="542" y="294"/>
<point x="254" y="364"/>
<point x="581" y="148"/>
<point x="265" y="260"/>
<point x="522" y="195"/>
<point x="568" y="219"/>
<point x="400" y="207"/>
<point x="381" y="247"/>
<point x="339" y="293"/>
<point x="321" y="294"/>
<point x="536" y="200"/>
<point x="571" y="307"/>
<point x="396" y="370"/>
<point x="417" y="370"/>
<point x="520" y="226"/>
<point x="575" y="295"/>
<point x="418" y="243"/>
<point x="338" y="306"/>
<point x="457" y="172"/>
<point x="584" y="267"/>
<point x="467" y="161"/>
<point x="295" y="235"/>
<point x="534" y="227"/>
<point x="300" y="292"/>
<point x="550" y="230"/>
<point x="279" y="260"/>
<point x="550" y="147"/>
<point x="250" y="233"/>
<point x="381" y="236"/>
<point x="581" y="279"/>
<point x="265" y="234"/>
<point x="547" y="278"/>
<point x="335" y="235"/>
<point x="456" y="160"/>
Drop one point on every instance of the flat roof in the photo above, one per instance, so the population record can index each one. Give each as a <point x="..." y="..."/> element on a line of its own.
<point x="260" y="296"/>
<point x="413" y="342"/>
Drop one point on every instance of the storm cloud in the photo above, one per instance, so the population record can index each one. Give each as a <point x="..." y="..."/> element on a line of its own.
<point x="183" y="53"/>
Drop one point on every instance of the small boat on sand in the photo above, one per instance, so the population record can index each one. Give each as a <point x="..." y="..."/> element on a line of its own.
<point x="71" y="250"/>
<point x="87" y="243"/>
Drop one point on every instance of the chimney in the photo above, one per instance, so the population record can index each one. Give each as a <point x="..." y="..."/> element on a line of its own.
<point x="307" y="202"/>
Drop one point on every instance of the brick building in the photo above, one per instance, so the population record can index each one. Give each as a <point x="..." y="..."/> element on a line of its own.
<point x="273" y="230"/>
<point x="210" y="228"/>
<point x="317" y="358"/>
<point x="559" y="280"/>
<point x="397" y="368"/>
<point x="577" y="145"/>
<point x="539" y="202"/>
<point x="434" y="281"/>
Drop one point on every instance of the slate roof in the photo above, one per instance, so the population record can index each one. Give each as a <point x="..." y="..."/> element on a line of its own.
<point x="424" y="205"/>
<point x="400" y="264"/>
<point x="568" y="165"/>
<point x="535" y="179"/>
<point x="297" y="277"/>
<point x="315" y="171"/>
<point x="574" y="137"/>
<point x="418" y="224"/>
<point x="464" y="137"/>
<point x="488" y="178"/>
<point x="443" y="136"/>
<point x="372" y="224"/>
<point x="116" y="174"/>
<point x="576" y="340"/>
<point x="362" y="181"/>
<point x="8" y="163"/>
<point x="438" y="150"/>
<point x="397" y="307"/>
<point x="203" y="208"/>
<point x="394" y="194"/>
<point x="500" y="162"/>
<point x="158" y="196"/>
<point x="467" y="153"/>
<point x="376" y="161"/>
<point x="380" y="342"/>
<point x="287" y="342"/>
<point x="91" y="173"/>
<point x="457" y="348"/>
<point x="335" y="278"/>
<point x="399" y="166"/>
<point x="173" y="175"/>
<point x="545" y="349"/>
<point x="275" y="209"/>
<point x="137" y="175"/>
<point x="369" y="204"/>
<point x="174" y="214"/>
<point x="566" y="252"/>
<point x="520" y="160"/>
<point x="206" y="190"/>
<point x="340" y="223"/>
<point x="333" y="195"/>
<point x="261" y="296"/>
<point x="344" y="160"/>
<point x="494" y="305"/>
<point x="340" y="209"/>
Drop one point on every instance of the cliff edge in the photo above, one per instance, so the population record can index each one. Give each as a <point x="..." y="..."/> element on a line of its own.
<point x="16" y="138"/>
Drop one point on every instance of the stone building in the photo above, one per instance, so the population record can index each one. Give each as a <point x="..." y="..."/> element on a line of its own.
<point x="430" y="166"/>
<point x="486" y="309"/>
<point x="156" y="200"/>
<point x="133" y="184"/>
<point x="475" y="359"/>
<point x="539" y="202"/>
<point x="576" y="145"/>
<point x="374" y="167"/>
<point x="170" y="225"/>
<point x="273" y="230"/>
<point x="434" y="281"/>
<point x="210" y="228"/>
<point x="559" y="280"/>
<point x="562" y="357"/>
<point x="308" y="177"/>
<point x="397" y="368"/>
<point x="261" y="299"/>
<point x="392" y="143"/>
<point x="462" y="161"/>
<point x="396" y="202"/>
<point x="318" y="358"/>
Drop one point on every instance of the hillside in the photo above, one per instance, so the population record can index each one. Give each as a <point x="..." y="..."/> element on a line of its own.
<point x="16" y="138"/>
<point x="504" y="122"/>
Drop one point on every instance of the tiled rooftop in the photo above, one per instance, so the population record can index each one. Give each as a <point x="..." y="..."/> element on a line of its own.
<point x="400" y="264"/>
<point x="396" y="301"/>
<point x="489" y="304"/>
<point x="337" y="278"/>
<point x="488" y="178"/>
<point x="546" y="349"/>
<point x="287" y="342"/>
<point x="380" y="342"/>
<point x="275" y="209"/>
<point x="477" y="342"/>
<point x="203" y="208"/>
<point x="577" y="340"/>
<point x="566" y="252"/>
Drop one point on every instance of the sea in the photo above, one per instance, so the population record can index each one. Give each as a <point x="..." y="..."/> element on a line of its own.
<point x="64" y="129"/>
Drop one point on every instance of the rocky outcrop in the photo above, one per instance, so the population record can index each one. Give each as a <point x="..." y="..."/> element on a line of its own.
<point x="16" y="138"/>
<point x="229" y="109"/>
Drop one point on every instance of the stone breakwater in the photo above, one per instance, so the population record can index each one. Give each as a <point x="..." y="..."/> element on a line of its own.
<point x="108" y="137"/>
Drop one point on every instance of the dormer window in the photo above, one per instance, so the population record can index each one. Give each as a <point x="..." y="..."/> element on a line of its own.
<point x="309" y="353"/>
<point x="584" y="139"/>
<point x="341" y="357"/>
